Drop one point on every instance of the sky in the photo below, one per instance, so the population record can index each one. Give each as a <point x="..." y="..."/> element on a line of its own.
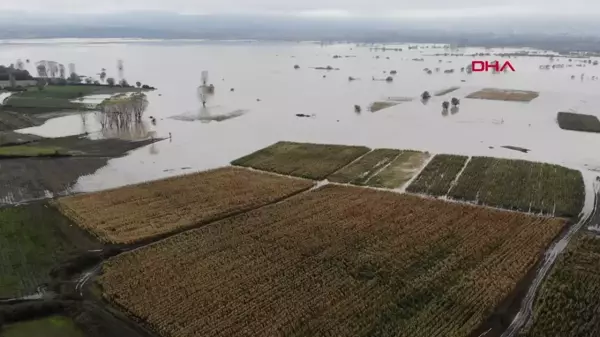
<point x="320" y="8"/>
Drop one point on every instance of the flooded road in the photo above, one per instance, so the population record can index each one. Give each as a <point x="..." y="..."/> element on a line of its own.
<point x="268" y="93"/>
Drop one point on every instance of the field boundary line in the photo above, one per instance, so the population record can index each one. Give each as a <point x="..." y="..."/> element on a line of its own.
<point x="384" y="167"/>
<point x="455" y="181"/>
<point x="156" y="239"/>
<point x="402" y="189"/>
<point x="350" y="163"/>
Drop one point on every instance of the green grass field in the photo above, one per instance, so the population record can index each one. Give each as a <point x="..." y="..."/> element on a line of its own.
<point x="54" y="326"/>
<point x="31" y="244"/>
<point x="399" y="171"/>
<point x="29" y="151"/>
<point x="42" y="102"/>
<point x="73" y="91"/>
<point x="312" y="161"/>
<point x="360" y="171"/>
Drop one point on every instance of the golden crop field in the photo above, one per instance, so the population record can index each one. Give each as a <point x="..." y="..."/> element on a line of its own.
<point x="149" y="210"/>
<point x="337" y="261"/>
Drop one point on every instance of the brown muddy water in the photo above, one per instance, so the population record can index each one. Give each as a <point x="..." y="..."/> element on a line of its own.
<point x="268" y="93"/>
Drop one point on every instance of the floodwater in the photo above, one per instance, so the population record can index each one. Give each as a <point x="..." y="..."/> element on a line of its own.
<point x="269" y="92"/>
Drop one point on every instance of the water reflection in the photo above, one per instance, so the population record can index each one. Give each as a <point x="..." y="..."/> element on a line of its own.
<point x="132" y="131"/>
<point x="286" y="91"/>
<point x="210" y="114"/>
<point x="454" y="110"/>
<point x="153" y="149"/>
<point x="444" y="112"/>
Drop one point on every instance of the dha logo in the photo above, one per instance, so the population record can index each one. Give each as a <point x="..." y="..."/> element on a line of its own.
<point x="479" y="66"/>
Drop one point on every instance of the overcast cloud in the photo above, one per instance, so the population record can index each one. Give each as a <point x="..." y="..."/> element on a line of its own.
<point x="323" y="8"/>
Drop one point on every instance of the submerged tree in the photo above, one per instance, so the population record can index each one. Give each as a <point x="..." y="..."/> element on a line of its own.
<point x="122" y="111"/>
<point x="41" y="69"/>
<point x="62" y="72"/>
<point x="74" y="78"/>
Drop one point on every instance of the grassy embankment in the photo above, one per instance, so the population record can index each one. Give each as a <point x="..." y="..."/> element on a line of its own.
<point x="31" y="244"/>
<point x="54" y="326"/>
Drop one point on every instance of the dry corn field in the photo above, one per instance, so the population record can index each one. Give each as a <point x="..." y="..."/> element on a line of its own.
<point x="337" y="261"/>
<point x="150" y="210"/>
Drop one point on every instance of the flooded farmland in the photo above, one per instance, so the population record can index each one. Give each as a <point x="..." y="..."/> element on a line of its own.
<point x="258" y="94"/>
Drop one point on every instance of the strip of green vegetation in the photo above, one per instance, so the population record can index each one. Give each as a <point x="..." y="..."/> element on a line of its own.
<point x="74" y="91"/>
<point x="521" y="185"/>
<point x="312" y="161"/>
<point x="380" y="105"/>
<point x="446" y="91"/>
<point x="31" y="244"/>
<point x="437" y="177"/>
<point x="54" y="326"/>
<point x="578" y="122"/>
<point x="360" y="171"/>
<point x="42" y="102"/>
<point x="30" y="151"/>
<point x="401" y="170"/>
<point x="567" y="303"/>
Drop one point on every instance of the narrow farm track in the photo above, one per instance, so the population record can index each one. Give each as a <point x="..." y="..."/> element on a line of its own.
<point x="524" y="316"/>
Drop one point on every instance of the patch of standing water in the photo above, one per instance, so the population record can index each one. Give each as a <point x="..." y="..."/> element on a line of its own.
<point x="3" y="96"/>
<point x="275" y="92"/>
<point x="91" y="99"/>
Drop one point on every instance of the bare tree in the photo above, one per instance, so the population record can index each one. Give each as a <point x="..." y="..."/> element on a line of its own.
<point x="53" y="68"/>
<point x="12" y="80"/>
<point x="120" y="68"/>
<point x="41" y="83"/>
<point x="62" y="71"/>
<point x="42" y="69"/>
<point x="122" y="111"/>
<point x="74" y="78"/>
<point x="103" y="75"/>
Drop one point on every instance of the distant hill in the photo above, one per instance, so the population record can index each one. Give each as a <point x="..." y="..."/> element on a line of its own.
<point x="543" y="33"/>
